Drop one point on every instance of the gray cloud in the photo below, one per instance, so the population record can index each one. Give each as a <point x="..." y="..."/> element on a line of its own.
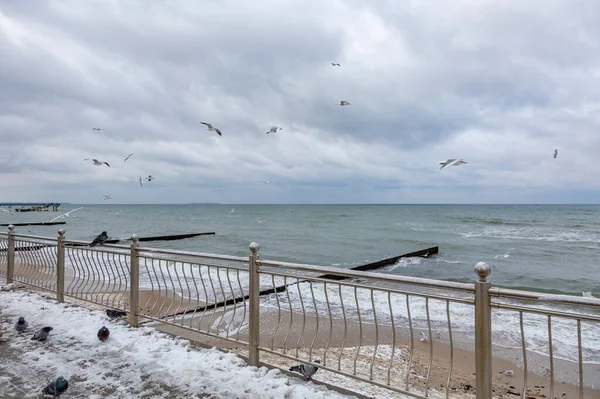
<point x="499" y="84"/>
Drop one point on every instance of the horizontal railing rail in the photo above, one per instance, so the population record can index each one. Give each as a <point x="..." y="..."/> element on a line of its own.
<point x="386" y="330"/>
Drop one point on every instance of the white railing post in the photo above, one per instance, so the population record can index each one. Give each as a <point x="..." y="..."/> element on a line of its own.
<point x="254" y="306"/>
<point x="483" y="333"/>
<point x="134" y="281"/>
<point x="60" y="266"/>
<point x="10" y="255"/>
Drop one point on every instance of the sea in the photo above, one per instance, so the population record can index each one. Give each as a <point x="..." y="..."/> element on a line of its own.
<point x="544" y="248"/>
<point x="549" y="248"/>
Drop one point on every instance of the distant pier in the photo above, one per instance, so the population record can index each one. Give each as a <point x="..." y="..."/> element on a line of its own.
<point x="30" y="206"/>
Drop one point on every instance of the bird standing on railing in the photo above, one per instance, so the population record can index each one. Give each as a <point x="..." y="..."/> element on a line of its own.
<point x="100" y="240"/>
<point x="307" y="370"/>
<point x="56" y="388"/>
<point x="21" y="325"/>
<point x="103" y="334"/>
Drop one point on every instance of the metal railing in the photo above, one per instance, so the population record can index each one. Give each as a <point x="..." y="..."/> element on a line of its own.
<point x="386" y="330"/>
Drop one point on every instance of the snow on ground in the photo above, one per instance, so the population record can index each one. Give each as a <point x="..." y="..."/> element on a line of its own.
<point x="134" y="362"/>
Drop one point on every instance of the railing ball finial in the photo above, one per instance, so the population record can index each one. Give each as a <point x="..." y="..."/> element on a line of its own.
<point x="61" y="232"/>
<point x="483" y="270"/>
<point x="134" y="238"/>
<point x="11" y="228"/>
<point x="254" y="247"/>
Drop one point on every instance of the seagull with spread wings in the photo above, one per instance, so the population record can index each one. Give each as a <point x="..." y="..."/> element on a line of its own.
<point x="96" y="162"/>
<point x="65" y="215"/>
<point x="128" y="156"/>
<point x="211" y="128"/>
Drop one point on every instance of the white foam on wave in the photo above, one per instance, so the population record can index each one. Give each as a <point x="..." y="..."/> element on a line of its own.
<point x="534" y="234"/>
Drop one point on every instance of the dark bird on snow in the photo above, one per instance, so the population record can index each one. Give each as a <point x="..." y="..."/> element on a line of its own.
<point x="103" y="334"/>
<point x="56" y="388"/>
<point x="307" y="370"/>
<point x="21" y="325"/>
<point x="42" y="334"/>
<point x="115" y="314"/>
<point x="100" y="240"/>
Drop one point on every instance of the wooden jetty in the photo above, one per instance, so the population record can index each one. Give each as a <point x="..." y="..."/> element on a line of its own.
<point x="33" y="224"/>
<point x="31" y="206"/>
<point x="156" y="238"/>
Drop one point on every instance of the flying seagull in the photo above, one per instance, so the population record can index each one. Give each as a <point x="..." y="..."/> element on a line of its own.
<point x="451" y="162"/>
<point x="97" y="128"/>
<point x="150" y="178"/>
<point x="343" y="103"/>
<point x="555" y="153"/>
<point x="307" y="370"/>
<point x="210" y="127"/>
<point x="140" y="181"/>
<point x="107" y="196"/>
<point x="97" y="163"/>
<point x="274" y="129"/>
<point x="335" y="64"/>
<point x="65" y="215"/>
<point x="267" y="181"/>
<point x="128" y="156"/>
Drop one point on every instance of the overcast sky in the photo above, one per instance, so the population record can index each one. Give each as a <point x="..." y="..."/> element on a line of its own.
<point x="501" y="84"/>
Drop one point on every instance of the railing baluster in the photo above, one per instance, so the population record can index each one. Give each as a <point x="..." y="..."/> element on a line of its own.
<point x="317" y="322"/>
<point x="393" y="337"/>
<point x="580" y="358"/>
<point x="451" y="349"/>
<point x="360" y="334"/>
<point x="278" y="310"/>
<point x="376" y="336"/>
<point x="330" y="324"/>
<point x="551" y="356"/>
<point x="254" y="323"/>
<point x="524" y="349"/>
<point x="134" y="278"/>
<point x="10" y="252"/>
<point x="412" y="344"/>
<point x="60" y="266"/>
<point x="430" y="339"/>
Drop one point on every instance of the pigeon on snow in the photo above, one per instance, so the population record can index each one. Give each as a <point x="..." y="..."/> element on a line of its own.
<point x="115" y="314"/>
<point x="103" y="334"/>
<point x="42" y="334"/>
<point x="56" y="388"/>
<point x="307" y="370"/>
<point x="21" y="325"/>
<point x="101" y="239"/>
